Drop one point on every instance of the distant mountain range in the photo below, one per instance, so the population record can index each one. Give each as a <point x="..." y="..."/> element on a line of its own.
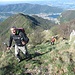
<point x="26" y="8"/>
<point x="64" y="4"/>
<point x="30" y="8"/>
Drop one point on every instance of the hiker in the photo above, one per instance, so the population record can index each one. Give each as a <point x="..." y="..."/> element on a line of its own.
<point x="53" y="40"/>
<point x="20" y="42"/>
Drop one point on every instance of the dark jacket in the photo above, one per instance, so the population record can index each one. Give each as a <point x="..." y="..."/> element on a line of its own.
<point x="18" y="38"/>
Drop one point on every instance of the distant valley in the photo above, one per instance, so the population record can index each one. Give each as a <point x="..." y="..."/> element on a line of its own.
<point x="43" y="11"/>
<point x="55" y="11"/>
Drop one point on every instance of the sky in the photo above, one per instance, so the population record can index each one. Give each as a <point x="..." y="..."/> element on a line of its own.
<point x="30" y="1"/>
<point x="19" y="0"/>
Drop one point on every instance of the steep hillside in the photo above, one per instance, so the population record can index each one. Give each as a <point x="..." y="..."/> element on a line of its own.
<point x="19" y="20"/>
<point x="44" y="23"/>
<point x="67" y="16"/>
<point x="26" y="21"/>
<point x="64" y="29"/>
<point x="33" y="27"/>
<point x="45" y="59"/>
<point x="30" y="8"/>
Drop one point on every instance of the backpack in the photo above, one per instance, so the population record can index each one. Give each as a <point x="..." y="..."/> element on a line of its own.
<point x="53" y="40"/>
<point x="23" y="31"/>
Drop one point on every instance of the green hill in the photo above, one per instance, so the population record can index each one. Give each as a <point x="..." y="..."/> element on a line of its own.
<point x="25" y="21"/>
<point x="67" y="16"/>
<point x="64" y="29"/>
<point x="32" y="25"/>
<point x="44" y="23"/>
<point x="18" y="20"/>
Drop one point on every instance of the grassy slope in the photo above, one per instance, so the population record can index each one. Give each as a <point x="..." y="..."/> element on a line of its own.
<point x="67" y="16"/>
<point x="31" y="24"/>
<point x="46" y="59"/>
<point x="44" y="23"/>
<point x="18" y="20"/>
<point x="25" y="21"/>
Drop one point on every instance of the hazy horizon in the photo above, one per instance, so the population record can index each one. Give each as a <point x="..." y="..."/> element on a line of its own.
<point x="34" y="2"/>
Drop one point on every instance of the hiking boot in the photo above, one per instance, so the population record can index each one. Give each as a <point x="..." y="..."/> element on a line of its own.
<point x="18" y="58"/>
<point x="28" y="57"/>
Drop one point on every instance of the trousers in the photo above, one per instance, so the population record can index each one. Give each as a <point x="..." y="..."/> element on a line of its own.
<point x="18" y="48"/>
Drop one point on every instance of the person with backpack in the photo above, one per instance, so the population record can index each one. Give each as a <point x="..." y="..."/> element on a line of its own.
<point x="21" y="39"/>
<point x="53" y="40"/>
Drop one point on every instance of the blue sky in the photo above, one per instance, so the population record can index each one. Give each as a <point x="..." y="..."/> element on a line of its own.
<point x="31" y="0"/>
<point x="19" y="0"/>
<point x="34" y="1"/>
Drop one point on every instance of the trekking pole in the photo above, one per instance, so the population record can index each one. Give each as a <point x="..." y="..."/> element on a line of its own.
<point x="10" y="48"/>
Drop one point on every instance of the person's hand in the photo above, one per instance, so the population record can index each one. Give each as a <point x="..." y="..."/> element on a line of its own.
<point x="23" y="42"/>
<point x="8" y="48"/>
